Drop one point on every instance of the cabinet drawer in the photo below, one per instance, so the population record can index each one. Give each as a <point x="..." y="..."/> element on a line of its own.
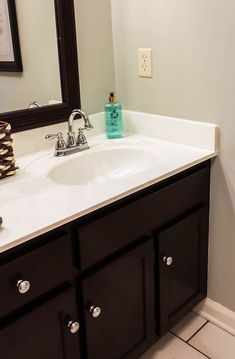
<point x="44" y="268"/>
<point x="107" y="234"/>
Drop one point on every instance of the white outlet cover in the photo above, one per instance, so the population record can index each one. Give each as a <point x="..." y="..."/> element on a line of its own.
<point x="145" y="62"/>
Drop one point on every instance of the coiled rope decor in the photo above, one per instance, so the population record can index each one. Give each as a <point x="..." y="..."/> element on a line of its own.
<point x="7" y="160"/>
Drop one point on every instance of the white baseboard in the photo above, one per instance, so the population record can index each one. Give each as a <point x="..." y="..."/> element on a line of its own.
<point x="217" y="314"/>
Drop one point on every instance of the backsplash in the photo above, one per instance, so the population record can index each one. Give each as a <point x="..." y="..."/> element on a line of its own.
<point x="192" y="133"/>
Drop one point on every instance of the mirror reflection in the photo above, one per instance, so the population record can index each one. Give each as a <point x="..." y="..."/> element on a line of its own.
<point x="39" y="83"/>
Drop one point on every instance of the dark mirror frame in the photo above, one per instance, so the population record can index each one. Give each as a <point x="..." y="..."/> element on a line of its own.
<point x="16" y="64"/>
<point x="67" y="48"/>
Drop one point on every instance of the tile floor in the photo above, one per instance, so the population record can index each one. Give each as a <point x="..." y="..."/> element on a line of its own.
<point x="194" y="338"/>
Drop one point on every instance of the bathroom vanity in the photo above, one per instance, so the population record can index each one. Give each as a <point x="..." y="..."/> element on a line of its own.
<point x="103" y="251"/>
<point x="108" y="284"/>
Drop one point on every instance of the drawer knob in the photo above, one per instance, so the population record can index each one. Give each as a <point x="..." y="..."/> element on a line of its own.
<point x="23" y="286"/>
<point x="73" y="327"/>
<point x="168" y="261"/>
<point x="95" y="311"/>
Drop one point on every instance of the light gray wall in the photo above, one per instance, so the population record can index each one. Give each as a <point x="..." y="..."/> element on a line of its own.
<point x="194" y="78"/>
<point x="95" y="52"/>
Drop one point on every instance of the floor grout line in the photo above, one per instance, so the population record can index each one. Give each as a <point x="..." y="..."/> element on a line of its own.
<point x="197" y="331"/>
<point x="206" y="356"/>
<point x="199" y="351"/>
<point x="187" y="342"/>
<point x="217" y="325"/>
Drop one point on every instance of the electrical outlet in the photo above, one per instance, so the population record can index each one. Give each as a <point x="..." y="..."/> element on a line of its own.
<point x="145" y="62"/>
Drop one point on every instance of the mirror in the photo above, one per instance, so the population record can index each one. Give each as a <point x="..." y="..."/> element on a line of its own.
<point x="38" y="84"/>
<point x="47" y="89"/>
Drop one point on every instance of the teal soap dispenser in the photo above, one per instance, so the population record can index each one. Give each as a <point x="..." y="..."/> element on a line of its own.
<point x="113" y="117"/>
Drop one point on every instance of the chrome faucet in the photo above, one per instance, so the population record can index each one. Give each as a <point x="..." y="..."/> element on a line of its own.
<point x="81" y="139"/>
<point x="73" y="144"/>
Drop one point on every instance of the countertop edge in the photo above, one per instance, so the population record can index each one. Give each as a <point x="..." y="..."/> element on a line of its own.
<point x="43" y="230"/>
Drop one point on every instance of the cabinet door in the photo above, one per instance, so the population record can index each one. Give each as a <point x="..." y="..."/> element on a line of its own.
<point x="44" y="332"/>
<point x="182" y="268"/>
<point x="119" y="306"/>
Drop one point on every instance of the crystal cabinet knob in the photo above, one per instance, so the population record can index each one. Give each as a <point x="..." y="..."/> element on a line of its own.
<point x="73" y="327"/>
<point x="168" y="261"/>
<point x="23" y="286"/>
<point x="95" y="311"/>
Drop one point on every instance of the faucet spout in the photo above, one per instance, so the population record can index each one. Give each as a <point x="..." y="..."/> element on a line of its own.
<point x="71" y="140"/>
<point x="83" y="115"/>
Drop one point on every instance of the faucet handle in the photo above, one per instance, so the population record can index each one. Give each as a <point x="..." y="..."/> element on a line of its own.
<point x="60" y="143"/>
<point x="51" y="136"/>
<point x="81" y="139"/>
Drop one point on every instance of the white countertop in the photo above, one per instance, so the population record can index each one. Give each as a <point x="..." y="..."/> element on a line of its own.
<point x="32" y="204"/>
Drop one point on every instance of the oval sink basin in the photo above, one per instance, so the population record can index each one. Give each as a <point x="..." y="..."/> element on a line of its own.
<point x="102" y="166"/>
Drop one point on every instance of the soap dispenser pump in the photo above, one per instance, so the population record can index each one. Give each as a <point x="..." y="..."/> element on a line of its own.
<point x="113" y="117"/>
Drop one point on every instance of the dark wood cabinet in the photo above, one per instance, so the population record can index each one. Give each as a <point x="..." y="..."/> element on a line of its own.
<point x="123" y="290"/>
<point x="137" y="267"/>
<point x="43" y="332"/>
<point x="181" y="267"/>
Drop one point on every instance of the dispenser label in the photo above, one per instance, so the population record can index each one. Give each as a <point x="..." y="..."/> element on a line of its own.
<point x="114" y="114"/>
